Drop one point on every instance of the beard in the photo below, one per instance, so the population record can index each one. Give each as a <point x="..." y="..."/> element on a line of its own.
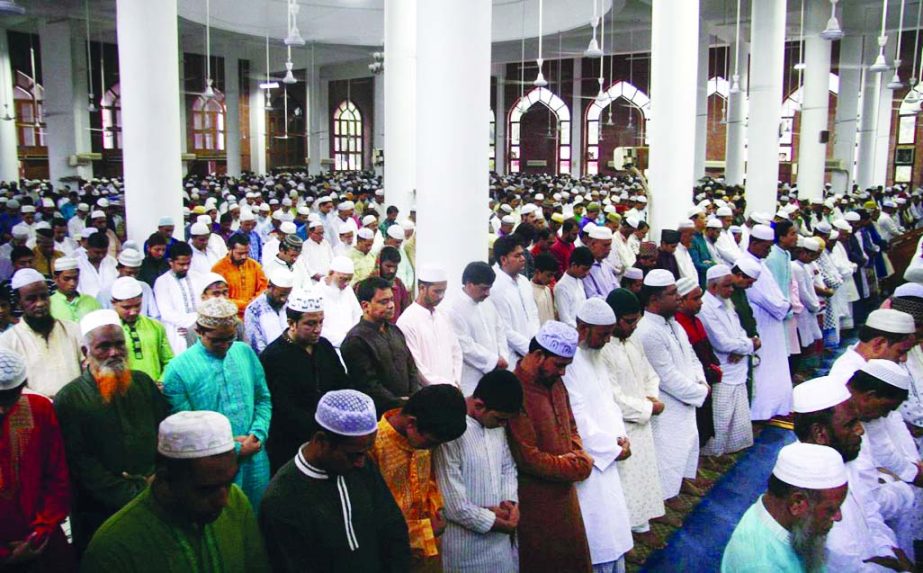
<point x="112" y="377"/>
<point x="40" y="323"/>
<point x="809" y="544"/>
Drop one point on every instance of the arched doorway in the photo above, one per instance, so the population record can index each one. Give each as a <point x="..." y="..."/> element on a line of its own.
<point x="539" y="134"/>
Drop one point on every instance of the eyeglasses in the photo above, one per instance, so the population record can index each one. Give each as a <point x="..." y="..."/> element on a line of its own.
<point x="135" y="342"/>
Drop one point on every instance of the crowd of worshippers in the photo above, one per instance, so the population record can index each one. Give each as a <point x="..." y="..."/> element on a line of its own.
<point x="289" y="390"/>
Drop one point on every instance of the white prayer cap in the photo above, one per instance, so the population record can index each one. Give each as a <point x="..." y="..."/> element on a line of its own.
<point x="432" y="274"/>
<point x="87" y="231"/>
<point x="714" y="224"/>
<point x="761" y="218"/>
<point x="763" y="233"/>
<point x="194" y="434"/>
<point x="717" y="271"/>
<point x="506" y="220"/>
<point x="25" y="277"/>
<point x="659" y="278"/>
<point x="368" y="220"/>
<point x="324" y="199"/>
<point x="842" y="225"/>
<point x="396" y="232"/>
<point x="282" y="278"/>
<point x="346" y="206"/>
<point x="198" y="229"/>
<point x="365" y="233"/>
<point x="685" y="224"/>
<point x="21" y="231"/>
<point x="889" y="203"/>
<point x="264" y="208"/>
<point x="97" y="215"/>
<point x="288" y="228"/>
<point x="695" y="211"/>
<point x="782" y="214"/>
<point x="632" y="221"/>
<point x="830" y="203"/>
<point x="810" y="466"/>
<point x="348" y="227"/>
<point x="408" y="225"/>
<point x="819" y="394"/>
<point x="822" y="227"/>
<point x="65" y="264"/>
<point x="346" y="413"/>
<point x="12" y="369"/>
<point x="27" y="209"/>
<point x="735" y="229"/>
<point x="506" y="208"/>
<point x="125" y="288"/>
<point x="852" y="217"/>
<point x="208" y="279"/>
<point x="596" y="312"/>
<point x="315" y="224"/>
<point x="724" y="212"/>
<point x="528" y="208"/>
<point x="685" y="285"/>
<point x="558" y="338"/>
<point x="342" y="265"/>
<point x="246" y="215"/>
<point x="600" y="233"/>
<point x="83" y="207"/>
<point x="834" y="235"/>
<point x="306" y="301"/>
<point x="749" y="266"/>
<point x="103" y="202"/>
<point x="130" y="258"/>
<point x="166" y="222"/>
<point x="888" y="371"/>
<point x="888" y="320"/>
<point x="98" y="319"/>
<point x="811" y="244"/>
<point x="909" y="289"/>
<point x="634" y="273"/>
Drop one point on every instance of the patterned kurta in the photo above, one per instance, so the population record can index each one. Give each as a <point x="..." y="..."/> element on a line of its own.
<point x="234" y="386"/>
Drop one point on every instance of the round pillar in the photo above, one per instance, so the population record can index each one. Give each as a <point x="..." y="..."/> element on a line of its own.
<point x="400" y="105"/>
<point x="812" y="153"/>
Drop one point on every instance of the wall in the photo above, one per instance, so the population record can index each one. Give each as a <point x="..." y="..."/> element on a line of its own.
<point x="362" y="92"/>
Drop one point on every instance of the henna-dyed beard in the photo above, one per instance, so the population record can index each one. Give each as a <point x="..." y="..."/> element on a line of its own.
<point x="112" y="377"/>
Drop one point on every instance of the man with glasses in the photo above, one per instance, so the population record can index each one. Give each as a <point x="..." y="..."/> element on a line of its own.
<point x="148" y="348"/>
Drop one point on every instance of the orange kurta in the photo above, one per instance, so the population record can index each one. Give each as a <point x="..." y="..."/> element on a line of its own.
<point x="245" y="282"/>
<point x="409" y="475"/>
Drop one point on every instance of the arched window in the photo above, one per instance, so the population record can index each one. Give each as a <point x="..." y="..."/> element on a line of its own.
<point x="208" y="115"/>
<point x="111" y="111"/>
<point x="905" y="150"/>
<point x="790" y="107"/>
<point x="492" y="152"/>
<point x="347" y="137"/>
<point x="559" y="109"/>
<point x="635" y="98"/>
<point x="28" y="99"/>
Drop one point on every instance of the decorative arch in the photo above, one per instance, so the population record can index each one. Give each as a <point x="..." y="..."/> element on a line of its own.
<point x="111" y="112"/>
<point x="347" y="137"/>
<point x="790" y="107"/>
<point x="29" y="109"/>
<point x="557" y="106"/>
<point x="624" y="90"/>
<point x="208" y="123"/>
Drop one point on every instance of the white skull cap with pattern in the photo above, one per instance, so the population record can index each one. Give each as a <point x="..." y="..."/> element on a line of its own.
<point x="65" y="264"/>
<point x="594" y="311"/>
<point x="810" y="466"/>
<point x="347" y="413"/>
<point x="558" y="338"/>
<point x="659" y="278"/>
<point x="717" y="271"/>
<point x="12" y="369"/>
<point x="306" y="301"/>
<point x="194" y="434"/>
<point x="686" y="285"/>
<point x="125" y="288"/>
<point x="634" y="273"/>
<point x="130" y="258"/>
<point x="888" y="371"/>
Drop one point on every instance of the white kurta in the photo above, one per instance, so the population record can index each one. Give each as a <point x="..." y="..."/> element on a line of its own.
<point x="772" y="383"/>
<point x="682" y="390"/>
<point x="177" y="300"/>
<point x="514" y="303"/>
<point x="599" y="422"/>
<point x="341" y="312"/>
<point x="270" y="250"/>
<point x="808" y="328"/>
<point x="632" y="379"/>
<point x="433" y="344"/>
<point x="316" y="257"/>
<point x="50" y="364"/>
<point x="481" y="336"/>
<point x="203" y="261"/>
<point x="93" y="280"/>
<point x="727" y="337"/>
<point x="684" y="261"/>
<point x="727" y="248"/>
<point x="568" y="296"/>
<point x="621" y="246"/>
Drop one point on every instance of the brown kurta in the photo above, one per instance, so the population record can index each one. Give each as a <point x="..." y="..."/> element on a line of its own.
<point x="551" y="532"/>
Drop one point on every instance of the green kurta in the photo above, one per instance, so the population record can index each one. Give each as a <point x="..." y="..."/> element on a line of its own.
<point x="72" y="310"/>
<point x="110" y="447"/>
<point x="143" y="537"/>
<point x="152" y="352"/>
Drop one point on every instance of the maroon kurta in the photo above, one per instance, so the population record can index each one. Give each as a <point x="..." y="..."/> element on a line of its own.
<point x="550" y="458"/>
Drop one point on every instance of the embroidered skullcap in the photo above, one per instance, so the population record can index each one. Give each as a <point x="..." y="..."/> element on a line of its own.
<point x="125" y="288"/>
<point x="819" y="394"/>
<point x="810" y="466"/>
<point x="194" y="434"/>
<point x="282" y="278"/>
<point x="217" y="313"/>
<point x="98" y="319"/>
<point x="595" y="311"/>
<point x="12" y="369"/>
<point x="346" y="413"/>
<point x="714" y="224"/>
<point x="557" y="338"/>
<point x="130" y="258"/>
<point x="432" y="274"/>
<point x="749" y="266"/>
<point x="622" y="301"/>
<point x="293" y="241"/>
<point x="912" y="305"/>
<point x="889" y="372"/>
<point x="762" y="233"/>
<point x="342" y="265"/>
<point x="659" y="278"/>
<point x="634" y="273"/>
<point x="25" y="277"/>
<point x="647" y="249"/>
<point x="396" y="232"/>
<point x="65" y="264"/>
<point x="306" y="301"/>
<point x="599" y="233"/>
<point x="686" y="285"/>
<point x="365" y="233"/>
<point x="890" y="320"/>
<point x="166" y="222"/>
<point x="717" y="271"/>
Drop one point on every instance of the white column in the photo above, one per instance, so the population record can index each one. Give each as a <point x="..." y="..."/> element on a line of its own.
<point x="315" y="115"/>
<point x="883" y="120"/>
<point x="452" y="192"/>
<point x="736" y="143"/>
<point x="576" y="116"/>
<point x="500" y="116"/>
<point x="701" y="103"/>
<point x="871" y="88"/>
<point x="58" y="79"/>
<point x="766" y="60"/>
<point x="400" y="106"/>
<point x="181" y="78"/>
<point x="148" y="41"/>
<point x="232" y="106"/>
<point x="812" y="154"/>
<point x="674" y="64"/>
<point x="82" y="141"/>
<point x="323" y="119"/>
<point x="847" y="112"/>
<point x="257" y="128"/>
<point x="378" y="137"/>
<point x="9" y="155"/>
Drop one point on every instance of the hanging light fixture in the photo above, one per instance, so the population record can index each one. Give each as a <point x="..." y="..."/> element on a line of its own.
<point x="593" y="50"/>
<point x="912" y="96"/>
<point x="631" y="42"/>
<point x="540" y="80"/>
<point x="799" y="67"/>
<point x="269" y="84"/>
<point x="91" y="106"/>
<point x="896" y="83"/>
<point x="289" y="76"/>
<point x="601" y="97"/>
<point x="881" y="62"/>
<point x="735" y="78"/>
<point x="833" y="31"/>
<point x="294" y="35"/>
<point x="209" y="92"/>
